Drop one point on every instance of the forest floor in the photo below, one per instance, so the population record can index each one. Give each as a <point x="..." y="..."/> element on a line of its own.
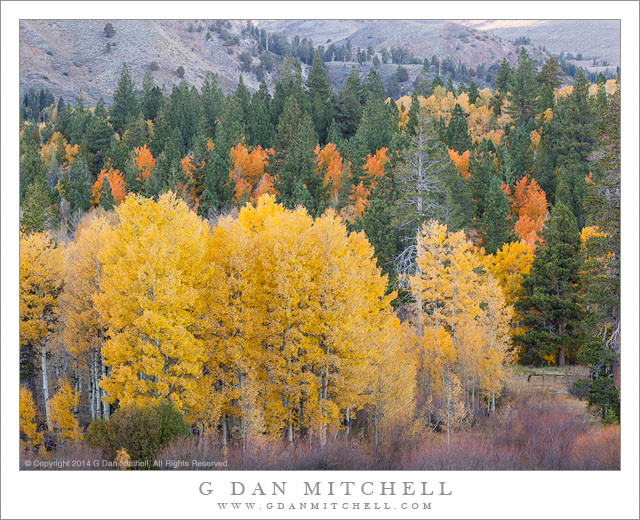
<point x="538" y="425"/>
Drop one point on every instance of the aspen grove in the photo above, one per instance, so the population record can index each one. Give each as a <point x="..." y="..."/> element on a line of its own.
<point x="304" y="264"/>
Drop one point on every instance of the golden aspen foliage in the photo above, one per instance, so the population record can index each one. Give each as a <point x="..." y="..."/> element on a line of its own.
<point x="123" y="459"/>
<point x="295" y="326"/>
<point x="480" y="118"/>
<point x="393" y="386"/>
<point x="509" y="265"/>
<point x="63" y="420"/>
<point x="55" y="142"/>
<point x="150" y="303"/>
<point x="462" y="319"/>
<point x="40" y="286"/>
<point x="28" y="420"/>
<point x="82" y="274"/>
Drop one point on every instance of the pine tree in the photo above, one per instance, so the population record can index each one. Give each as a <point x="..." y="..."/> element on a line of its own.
<point x="495" y="229"/>
<point x="550" y="305"/>
<point x="78" y="186"/>
<point x="125" y="104"/>
<point x="457" y="134"/>
<point x="450" y="87"/>
<point x="376" y="127"/>
<point x="473" y="92"/>
<point x="212" y="100"/>
<point x="551" y="73"/>
<point x="378" y="223"/>
<point x="602" y="277"/>
<point x="293" y="164"/>
<point x="218" y="188"/>
<point x="260" y="127"/>
<point x="98" y="141"/>
<point x="32" y="169"/>
<point x="151" y="98"/>
<point x="38" y="213"/>
<point x="320" y="98"/>
<point x="523" y="90"/>
<point x="414" y="113"/>
<point x="503" y="78"/>
<point x="106" y="196"/>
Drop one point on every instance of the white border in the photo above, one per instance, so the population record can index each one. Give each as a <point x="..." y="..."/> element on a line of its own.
<point x="175" y="494"/>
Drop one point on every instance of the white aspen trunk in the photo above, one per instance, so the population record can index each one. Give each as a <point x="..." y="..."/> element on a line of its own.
<point x="290" y="427"/>
<point x="96" y="382"/>
<point x="224" y="431"/>
<point x="106" y="407"/>
<point x="76" y="386"/>
<point x="348" y="419"/>
<point x="45" y="382"/>
<point x="91" y="393"/>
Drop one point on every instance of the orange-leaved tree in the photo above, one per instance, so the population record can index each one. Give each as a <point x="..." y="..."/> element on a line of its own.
<point x="529" y="204"/>
<point x="116" y="183"/>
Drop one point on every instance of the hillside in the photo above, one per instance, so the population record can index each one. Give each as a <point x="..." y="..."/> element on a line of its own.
<point x="594" y="39"/>
<point x="70" y="55"/>
<point x="423" y="38"/>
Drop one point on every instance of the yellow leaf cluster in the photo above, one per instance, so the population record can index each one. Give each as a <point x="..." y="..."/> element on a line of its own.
<point x="28" y="419"/>
<point x="63" y="420"/>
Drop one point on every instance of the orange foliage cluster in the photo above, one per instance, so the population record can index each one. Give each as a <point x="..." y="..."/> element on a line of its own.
<point x="374" y="165"/>
<point x="248" y="171"/>
<point x="186" y="190"/>
<point x="461" y="161"/>
<point x="374" y="168"/>
<point x="116" y="182"/>
<point x="529" y="203"/>
<point x="144" y="162"/>
<point x="328" y="159"/>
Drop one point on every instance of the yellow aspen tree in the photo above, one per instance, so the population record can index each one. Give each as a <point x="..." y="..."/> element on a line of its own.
<point x="393" y="385"/>
<point x="63" y="421"/>
<point x="509" y="265"/>
<point x="305" y="302"/>
<point x="28" y="420"/>
<point x="150" y="303"/>
<point x="83" y="330"/>
<point x="233" y="340"/>
<point x="40" y="286"/>
<point x="493" y="320"/>
<point x="444" y="287"/>
<point x="350" y="295"/>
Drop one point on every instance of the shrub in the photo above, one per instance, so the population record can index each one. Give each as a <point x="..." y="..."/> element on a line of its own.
<point x="180" y="71"/>
<point x="580" y="388"/>
<point x="109" y="31"/>
<point x="142" y="432"/>
<point x="154" y="66"/>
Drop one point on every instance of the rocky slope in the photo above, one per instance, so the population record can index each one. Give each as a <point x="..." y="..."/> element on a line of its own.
<point x="70" y="55"/>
